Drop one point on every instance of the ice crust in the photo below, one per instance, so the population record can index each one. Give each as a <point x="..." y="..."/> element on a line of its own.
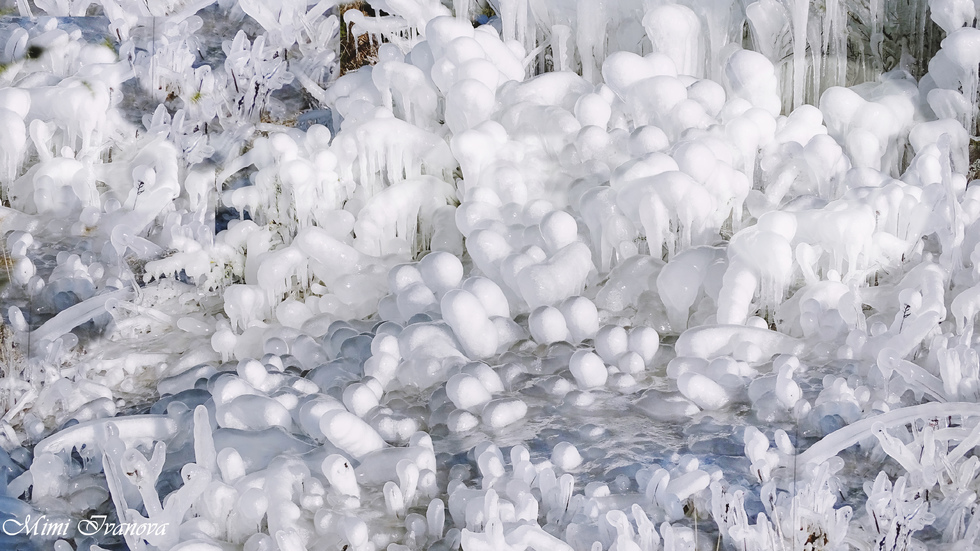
<point x="583" y="275"/>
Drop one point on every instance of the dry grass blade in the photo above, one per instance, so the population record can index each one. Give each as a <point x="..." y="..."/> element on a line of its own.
<point x="360" y="50"/>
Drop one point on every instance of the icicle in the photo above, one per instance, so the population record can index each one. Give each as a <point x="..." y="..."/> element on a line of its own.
<point x="462" y="9"/>
<point x="560" y="36"/>
<point x="514" y="23"/>
<point x="523" y="36"/>
<point x="877" y="36"/>
<point x="590" y="37"/>
<point x="675" y="31"/>
<point x="768" y="20"/>
<point x="799" y="13"/>
<point x="835" y="42"/>
<point x="508" y="19"/>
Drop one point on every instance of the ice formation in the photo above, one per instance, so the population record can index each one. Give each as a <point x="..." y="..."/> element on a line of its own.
<point x="544" y="275"/>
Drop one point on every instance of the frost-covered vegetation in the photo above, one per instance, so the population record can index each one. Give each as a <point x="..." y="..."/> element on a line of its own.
<point x="545" y="274"/>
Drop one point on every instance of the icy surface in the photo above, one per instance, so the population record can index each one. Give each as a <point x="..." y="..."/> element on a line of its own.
<point x="544" y="275"/>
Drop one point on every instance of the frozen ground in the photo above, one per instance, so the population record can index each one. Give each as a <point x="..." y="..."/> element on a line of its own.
<point x="585" y="275"/>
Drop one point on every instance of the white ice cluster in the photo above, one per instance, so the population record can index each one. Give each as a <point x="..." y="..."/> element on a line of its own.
<point x="580" y="275"/>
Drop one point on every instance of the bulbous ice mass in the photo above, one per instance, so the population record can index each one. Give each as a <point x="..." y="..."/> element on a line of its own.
<point x="750" y="76"/>
<point x="552" y="267"/>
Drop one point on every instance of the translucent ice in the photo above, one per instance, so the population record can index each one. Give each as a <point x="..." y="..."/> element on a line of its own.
<point x="588" y="369"/>
<point x="666" y="407"/>
<point x="719" y="340"/>
<point x="349" y="433"/>
<point x="674" y="30"/>
<point x="565" y="456"/>
<point x="466" y="315"/>
<point x="704" y="392"/>
<point x="682" y="280"/>
<point x="750" y="76"/>
<point x="559" y="277"/>
<point x="467" y="392"/>
<point x="504" y="229"/>
<point x="501" y="412"/>
<point x="548" y="325"/>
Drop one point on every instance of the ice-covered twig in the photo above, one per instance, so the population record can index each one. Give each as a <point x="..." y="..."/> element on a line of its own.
<point x="74" y="316"/>
<point x="841" y="439"/>
<point x="85" y="436"/>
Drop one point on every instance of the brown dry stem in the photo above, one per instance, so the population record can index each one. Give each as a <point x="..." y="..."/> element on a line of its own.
<point x="356" y="51"/>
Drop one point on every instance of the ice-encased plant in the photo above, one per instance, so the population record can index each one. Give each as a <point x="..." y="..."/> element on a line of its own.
<point x="255" y="70"/>
<point x="485" y="249"/>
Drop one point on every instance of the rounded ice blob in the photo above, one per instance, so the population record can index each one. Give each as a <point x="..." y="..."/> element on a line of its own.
<point x="610" y="342"/>
<point x="558" y="229"/>
<point x="504" y="411"/>
<point x="645" y="341"/>
<point x="462" y="421"/>
<point x="339" y="472"/>
<point x="581" y="318"/>
<point x="566" y="456"/>
<point x="349" y="433"/>
<point x="466" y="315"/>
<point x="360" y="399"/>
<point x="751" y="76"/>
<point x="663" y="406"/>
<point x="467" y="392"/>
<point x="588" y="369"/>
<point x="441" y="271"/>
<point x="547" y="325"/>
<point x="704" y="392"/>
